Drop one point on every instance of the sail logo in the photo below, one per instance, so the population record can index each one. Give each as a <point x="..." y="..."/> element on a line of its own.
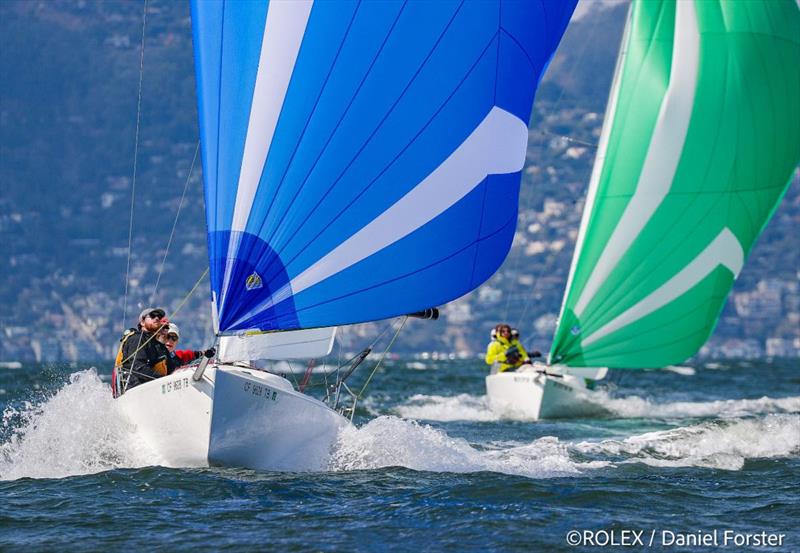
<point x="253" y="282"/>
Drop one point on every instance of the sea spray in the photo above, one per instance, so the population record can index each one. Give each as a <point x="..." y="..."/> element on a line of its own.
<point x="78" y="430"/>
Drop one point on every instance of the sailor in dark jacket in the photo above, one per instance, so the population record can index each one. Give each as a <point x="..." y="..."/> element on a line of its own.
<point x="142" y="358"/>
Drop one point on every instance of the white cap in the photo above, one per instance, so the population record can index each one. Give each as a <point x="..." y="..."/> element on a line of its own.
<point x="172" y="328"/>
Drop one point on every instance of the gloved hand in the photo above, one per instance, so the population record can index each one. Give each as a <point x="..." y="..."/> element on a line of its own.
<point x="210" y="353"/>
<point x="512" y="355"/>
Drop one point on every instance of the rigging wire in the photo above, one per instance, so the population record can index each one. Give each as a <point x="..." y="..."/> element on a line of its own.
<point x="383" y="356"/>
<point x="543" y="148"/>
<point x="135" y="158"/>
<point x="175" y="222"/>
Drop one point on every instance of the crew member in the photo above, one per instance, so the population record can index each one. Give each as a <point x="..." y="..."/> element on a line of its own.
<point x="506" y="352"/>
<point x="169" y="336"/>
<point x="141" y="357"/>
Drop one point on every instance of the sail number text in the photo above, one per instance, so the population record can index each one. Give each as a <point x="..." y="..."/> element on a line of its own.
<point x="259" y="390"/>
<point x="175" y="385"/>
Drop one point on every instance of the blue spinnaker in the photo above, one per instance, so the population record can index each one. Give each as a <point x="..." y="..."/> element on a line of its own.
<point x="362" y="159"/>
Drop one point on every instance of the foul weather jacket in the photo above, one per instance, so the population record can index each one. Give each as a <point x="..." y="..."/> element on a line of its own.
<point x="496" y="353"/>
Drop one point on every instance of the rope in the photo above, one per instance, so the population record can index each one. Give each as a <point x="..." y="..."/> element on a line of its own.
<point x="135" y="158"/>
<point x="175" y="223"/>
<point x="569" y="139"/>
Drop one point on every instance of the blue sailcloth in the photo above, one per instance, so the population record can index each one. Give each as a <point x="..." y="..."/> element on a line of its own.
<point x="362" y="160"/>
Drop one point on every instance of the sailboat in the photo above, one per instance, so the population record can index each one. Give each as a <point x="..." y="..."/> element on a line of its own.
<point x="361" y="161"/>
<point x="699" y="143"/>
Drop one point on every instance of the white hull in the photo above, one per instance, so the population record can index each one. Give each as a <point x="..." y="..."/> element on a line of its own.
<point x="530" y="394"/>
<point x="232" y="417"/>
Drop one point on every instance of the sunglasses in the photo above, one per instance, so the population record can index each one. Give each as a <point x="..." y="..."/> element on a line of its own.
<point x="156" y="315"/>
<point x="172" y="338"/>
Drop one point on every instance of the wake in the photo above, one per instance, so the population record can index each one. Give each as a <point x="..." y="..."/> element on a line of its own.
<point x="723" y="444"/>
<point x="466" y="407"/>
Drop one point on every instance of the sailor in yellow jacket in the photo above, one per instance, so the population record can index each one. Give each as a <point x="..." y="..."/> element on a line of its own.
<point x="505" y="351"/>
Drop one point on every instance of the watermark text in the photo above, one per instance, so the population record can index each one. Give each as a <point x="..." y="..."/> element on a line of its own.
<point x="657" y="537"/>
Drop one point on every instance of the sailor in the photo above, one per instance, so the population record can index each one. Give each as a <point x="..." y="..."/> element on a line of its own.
<point x="508" y="353"/>
<point x="169" y="336"/>
<point x="141" y="357"/>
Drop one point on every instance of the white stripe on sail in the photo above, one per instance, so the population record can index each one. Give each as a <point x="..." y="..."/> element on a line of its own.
<point x="663" y="154"/>
<point x="284" y="29"/>
<point x="497" y="146"/>
<point x="725" y="250"/>
<point x="283" y="34"/>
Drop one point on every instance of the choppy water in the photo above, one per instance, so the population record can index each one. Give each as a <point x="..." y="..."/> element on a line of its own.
<point x="427" y="466"/>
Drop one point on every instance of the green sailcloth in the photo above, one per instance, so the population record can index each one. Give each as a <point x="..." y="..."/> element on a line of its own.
<point x="702" y="135"/>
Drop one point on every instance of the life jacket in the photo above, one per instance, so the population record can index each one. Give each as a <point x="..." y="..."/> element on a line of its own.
<point x="118" y="361"/>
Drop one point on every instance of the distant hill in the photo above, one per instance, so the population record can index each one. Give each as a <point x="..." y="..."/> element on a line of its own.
<point x="69" y="74"/>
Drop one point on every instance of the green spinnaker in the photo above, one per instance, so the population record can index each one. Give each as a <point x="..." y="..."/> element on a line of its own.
<point x="702" y="135"/>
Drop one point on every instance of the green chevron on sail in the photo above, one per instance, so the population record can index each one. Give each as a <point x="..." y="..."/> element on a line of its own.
<point x="702" y="134"/>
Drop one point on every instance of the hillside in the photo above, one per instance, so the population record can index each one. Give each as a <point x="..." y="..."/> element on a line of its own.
<point x="68" y="105"/>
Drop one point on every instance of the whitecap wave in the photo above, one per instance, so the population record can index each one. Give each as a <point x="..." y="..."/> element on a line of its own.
<point x="681" y="370"/>
<point x="79" y="430"/>
<point x="389" y="441"/>
<point x="466" y="407"/>
<point x="637" y="407"/>
<point x="722" y="444"/>
<point x="463" y="407"/>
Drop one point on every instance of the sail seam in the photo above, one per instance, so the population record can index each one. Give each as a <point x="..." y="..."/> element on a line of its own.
<point x="511" y="220"/>
<point x="285" y="26"/>
<point x="658" y="170"/>
<point x="388" y="165"/>
<point x="367" y="142"/>
<point x="471" y="162"/>
<point x="311" y="114"/>
<point x="725" y="250"/>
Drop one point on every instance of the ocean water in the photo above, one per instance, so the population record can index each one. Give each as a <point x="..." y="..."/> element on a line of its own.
<point x="709" y="453"/>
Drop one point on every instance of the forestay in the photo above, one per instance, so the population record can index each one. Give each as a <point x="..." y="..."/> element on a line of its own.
<point x="700" y="141"/>
<point x="362" y="159"/>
